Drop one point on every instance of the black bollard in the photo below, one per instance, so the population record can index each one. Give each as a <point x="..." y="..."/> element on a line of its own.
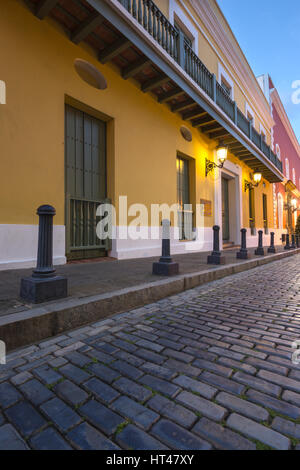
<point x="272" y="248"/>
<point x="165" y="266"/>
<point x="297" y="241"/>
<point x="287" y="242"/>
<point x="243" y="253"/>
<point x="259" y="250"/>
<point x="44" y="285"/>
<point x="215" y="257"/>
<point x="293" y="245"/>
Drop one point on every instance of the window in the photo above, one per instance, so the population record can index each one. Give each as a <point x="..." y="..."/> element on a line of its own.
<point x="265" y="212"/>
<point x="250" y="118"/>
<point x="2" y="92"/>
<point x="187" y="39"/>
<point x="249" y="114"/>
<point x="183" y="198"/>
<point x="287" y="169"/>
<point x="251" y="211"/>
<point x="278" y="152"/>
<point x="294" y="176"/>
<point x="263" y="132"/>
<point x="178" y="18"/>
<point x="226" y="87"/>
<point x="85" y="166"/>
<point x="225" y="81"/>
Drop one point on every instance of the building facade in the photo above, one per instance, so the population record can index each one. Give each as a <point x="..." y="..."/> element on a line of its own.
<point x="287" y="149"/>
<point x="129" y="101"/>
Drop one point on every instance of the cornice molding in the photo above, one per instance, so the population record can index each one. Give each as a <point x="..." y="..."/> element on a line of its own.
<point x="239" y="63"/>
<point x="276" y="101"/>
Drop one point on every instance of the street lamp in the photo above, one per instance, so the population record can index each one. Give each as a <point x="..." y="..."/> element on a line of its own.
<point x="292" y="206"/>
<point x="222" y="151"/>
<point x="256" y="177"/>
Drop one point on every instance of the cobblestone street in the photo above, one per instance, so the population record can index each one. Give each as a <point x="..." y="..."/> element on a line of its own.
<point x="207" y="369"/>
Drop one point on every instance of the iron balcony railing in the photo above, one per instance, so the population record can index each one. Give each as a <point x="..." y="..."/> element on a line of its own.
<point x="159" y="27"/>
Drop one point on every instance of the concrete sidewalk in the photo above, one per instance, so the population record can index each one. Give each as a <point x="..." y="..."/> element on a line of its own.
<point x="99" y="289"/>
<point x="99" y="277"/>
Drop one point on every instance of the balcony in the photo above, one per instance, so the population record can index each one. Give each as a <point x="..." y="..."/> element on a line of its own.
<point x="136" y="37"/>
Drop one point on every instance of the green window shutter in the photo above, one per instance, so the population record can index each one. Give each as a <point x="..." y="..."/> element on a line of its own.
<point x="85" y="159"/>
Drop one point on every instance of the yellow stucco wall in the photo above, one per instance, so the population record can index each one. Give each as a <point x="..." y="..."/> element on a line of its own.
<point x="39" y="74"/>
<point x="143" y="136"/>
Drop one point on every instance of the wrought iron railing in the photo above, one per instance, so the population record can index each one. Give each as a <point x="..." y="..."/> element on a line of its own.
<point x="243" y="123"/>
<point x="255" y="137"/>
<point x="82" y="223"/>
<point x="159" y="27"/>
<point x="224" y="101"/>
<point x="197" y="70"/>
<point x="155" y="22"/>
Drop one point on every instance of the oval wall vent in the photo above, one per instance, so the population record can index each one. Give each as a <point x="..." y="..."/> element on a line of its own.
<point x="186" y="133"/>
<point x="90" y="74"/>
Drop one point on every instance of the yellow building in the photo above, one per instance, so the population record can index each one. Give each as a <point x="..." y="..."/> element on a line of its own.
<point x="110" y="98"/>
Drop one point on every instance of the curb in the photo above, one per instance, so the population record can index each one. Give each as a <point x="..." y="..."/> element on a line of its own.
<point x="23" y="328"/>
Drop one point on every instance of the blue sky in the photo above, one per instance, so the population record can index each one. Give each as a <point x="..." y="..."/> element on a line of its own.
<point x="269" y="34"/>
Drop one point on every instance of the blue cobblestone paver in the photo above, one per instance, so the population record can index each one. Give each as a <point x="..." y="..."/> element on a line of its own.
<point x="210" y="368"/>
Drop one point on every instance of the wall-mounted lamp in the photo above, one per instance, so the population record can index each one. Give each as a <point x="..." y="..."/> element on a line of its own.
<point x="256" y="177"/>
<point x="222" y="151"/>
<point x="294" y="205"/>
<point x="291" y="206"/>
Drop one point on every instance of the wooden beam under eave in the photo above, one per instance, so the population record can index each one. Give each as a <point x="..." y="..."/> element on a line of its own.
<point x="113" y="50"/>
<point x="241" y="152"/>
<point x="194" y="114"/>
<point x="170" y="95"/>
<point x="248" y="157"/>
<point x="242" y="156"/>
<point x="154" y="83"/>
<point x="250" y="161"/>
<point x="202" y="122"/>
<point x="212" y="128"/>
<point x="86" y="27"/>
<point x="218" y="135"/>
<point x="235" y="146"/>
<point x="183" y="105"/>
<point x="132" y="69"/>
<point x="44" y="7"/>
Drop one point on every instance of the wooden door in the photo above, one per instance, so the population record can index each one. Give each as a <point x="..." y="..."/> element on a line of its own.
<point x="225" y="209"/>
<point x="85" y="162"/>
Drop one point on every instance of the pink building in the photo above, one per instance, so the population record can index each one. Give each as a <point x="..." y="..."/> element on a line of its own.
<point x="286" y="194"/>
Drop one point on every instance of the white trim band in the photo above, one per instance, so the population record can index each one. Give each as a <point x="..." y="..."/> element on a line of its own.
<point x="18" y="245"/>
